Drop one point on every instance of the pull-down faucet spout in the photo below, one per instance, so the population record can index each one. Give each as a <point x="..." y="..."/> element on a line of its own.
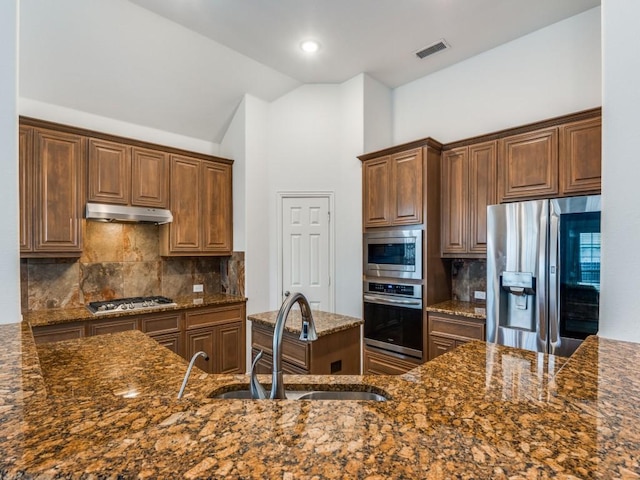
<point x="307" y="334"/>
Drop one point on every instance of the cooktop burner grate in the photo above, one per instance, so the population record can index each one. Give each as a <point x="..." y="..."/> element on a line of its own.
<point x="132" y="303"/>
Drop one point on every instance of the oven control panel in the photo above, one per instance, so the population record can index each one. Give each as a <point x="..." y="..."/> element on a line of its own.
<point x="400" y="289"/>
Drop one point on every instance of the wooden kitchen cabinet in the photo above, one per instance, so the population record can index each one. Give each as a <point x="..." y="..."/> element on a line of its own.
<point x="468" y="186"/>
<point x="149" y="178"/>
<point x="220" y="332"/>
<point x="59" y="332"/>
<point x="51" y="192"/>
<point x="125" y="175"/>
<point x="580" y="157"/>
<point x="202" y="209"/>
<point x="528" y="165"/>
<point x="378" y="363"/>
<point x="109" y="172"/>
<point x="447" y="332"/>
<point x="337" y="353"/>
<point x="392" y="189"/>
<point x="165" y="328"/>
<point x="25" y="187"/>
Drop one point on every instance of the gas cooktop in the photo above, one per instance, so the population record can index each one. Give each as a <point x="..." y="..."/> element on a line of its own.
<point x="141" y="304"/>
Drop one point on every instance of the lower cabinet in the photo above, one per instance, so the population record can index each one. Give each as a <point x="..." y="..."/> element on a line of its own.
<point x="335" y="354"/>
<point x="378" y="363"/>
<point x="447" y="332"/>
<point x="217" y="330"/>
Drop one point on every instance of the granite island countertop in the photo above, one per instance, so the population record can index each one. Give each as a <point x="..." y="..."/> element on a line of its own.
<point x="38" y="318"/>
<point x="105" y="407"/>
<point x="326" y="323"/>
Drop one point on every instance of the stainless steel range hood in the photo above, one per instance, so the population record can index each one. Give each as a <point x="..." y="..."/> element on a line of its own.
<point x="104" y="212"/>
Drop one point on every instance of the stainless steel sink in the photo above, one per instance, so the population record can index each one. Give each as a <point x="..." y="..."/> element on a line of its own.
<point x="245" y="394"/>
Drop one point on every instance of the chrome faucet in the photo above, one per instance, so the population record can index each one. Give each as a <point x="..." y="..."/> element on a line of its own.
<point x="186" y="375"/>
<point x="307" y="334"/>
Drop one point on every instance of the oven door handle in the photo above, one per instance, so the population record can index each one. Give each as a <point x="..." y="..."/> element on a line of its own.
<point x="392" y="301"/>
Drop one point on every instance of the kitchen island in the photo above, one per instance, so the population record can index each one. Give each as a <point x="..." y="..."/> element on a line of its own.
<point x="106" y="406"/>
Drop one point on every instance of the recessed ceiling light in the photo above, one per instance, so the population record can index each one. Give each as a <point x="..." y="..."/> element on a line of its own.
<point x="310" y="46"/>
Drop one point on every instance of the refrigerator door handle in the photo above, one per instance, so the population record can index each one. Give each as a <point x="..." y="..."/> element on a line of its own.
<point x="554" y="272"/>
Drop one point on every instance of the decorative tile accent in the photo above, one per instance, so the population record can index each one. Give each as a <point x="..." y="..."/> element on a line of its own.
<point x="102" y="243"/>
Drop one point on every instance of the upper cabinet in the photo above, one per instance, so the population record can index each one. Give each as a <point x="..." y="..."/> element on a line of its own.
<point x="392" y="189"/>
<point x="468" y="186"/>
<point x="201" y="203"/>
<point x="51" y="192"/>
<point x="580" y="156"/>
<point x="121" y="174"/>
<point x="528" y="165"/>
<point x="562" y="159"/>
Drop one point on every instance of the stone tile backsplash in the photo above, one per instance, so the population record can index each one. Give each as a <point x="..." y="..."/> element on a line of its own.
<point x="468" y="276"/>
<point x="122" y="260"/>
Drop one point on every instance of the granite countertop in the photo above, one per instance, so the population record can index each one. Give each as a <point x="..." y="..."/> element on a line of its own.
<point x="460" y="308"/>
<point x="106" y="407"/>
<point x="326" y="323"/>
<point x="38" y="318"/>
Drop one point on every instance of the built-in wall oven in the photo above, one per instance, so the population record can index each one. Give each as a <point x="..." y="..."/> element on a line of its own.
<point x="393" y="317"/>
<point x="393" y="253"/>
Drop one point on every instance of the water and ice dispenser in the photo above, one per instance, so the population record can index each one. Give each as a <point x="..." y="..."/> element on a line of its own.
<point x="517" y="299"/>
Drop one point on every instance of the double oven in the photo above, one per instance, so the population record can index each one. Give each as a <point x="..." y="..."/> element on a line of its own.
<point x="393" y="317"/>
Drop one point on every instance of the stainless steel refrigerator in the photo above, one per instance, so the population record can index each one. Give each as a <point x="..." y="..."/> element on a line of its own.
<point x="543" y="273"/>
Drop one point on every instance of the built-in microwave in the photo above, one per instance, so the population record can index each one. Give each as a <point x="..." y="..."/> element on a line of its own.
<point x="393" y="253"/>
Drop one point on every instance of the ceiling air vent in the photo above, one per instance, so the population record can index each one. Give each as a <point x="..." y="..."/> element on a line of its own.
<point x="433" y="48"/>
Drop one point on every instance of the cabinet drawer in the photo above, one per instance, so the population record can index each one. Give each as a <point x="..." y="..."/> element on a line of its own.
<point x="455" y="328"/>
<point x="57" y="333"/>
<point x="294" y="351"/>
<point x="158" y="324"/>
<point x="212" y="316"/>
<point x="376" y="363"/>
<point x="101" y="327"/>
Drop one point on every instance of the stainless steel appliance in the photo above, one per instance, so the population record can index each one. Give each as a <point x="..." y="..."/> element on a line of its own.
<point x="393" y="317"/>
<point x="139" y="304"/>
<point x="543" y="273"/>
<point x="393" y="253"/>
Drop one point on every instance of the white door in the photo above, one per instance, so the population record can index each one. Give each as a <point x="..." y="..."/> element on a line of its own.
<point x="306" y="264"/>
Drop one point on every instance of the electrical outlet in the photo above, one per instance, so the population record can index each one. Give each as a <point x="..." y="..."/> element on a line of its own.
<point x="198" y="288"/>
<point x="480" y="295"/>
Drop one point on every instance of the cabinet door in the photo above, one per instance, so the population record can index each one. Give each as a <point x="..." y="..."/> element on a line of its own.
<point x="440" y="345"/>
<point x="25" y="187"/>
<point x="109" y="175"/>
<point x="482" y="192"/>
<point x="185" y="230"/>
<point x="528" y="165"/>
<point x="230" y="348"/>
<point x="202" y="340"/>
<point x="376" y="190"/>
<point x="406" y="188"/>
<point x="454" y="172"/>
<point x="58" y="192"/>
<point x="217" y="216"/>
<point x="149" y="178"/>
<point x="580" y="157"/>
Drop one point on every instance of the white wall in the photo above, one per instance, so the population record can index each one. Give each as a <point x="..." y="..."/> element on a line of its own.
<point x="620" y="300"/>
<point x="67" y="116"/>
<point x="9" y="257"/>
<point x="550" y="72"/>
<point x="377" y="114"/>
<point x="314" y="135"/>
